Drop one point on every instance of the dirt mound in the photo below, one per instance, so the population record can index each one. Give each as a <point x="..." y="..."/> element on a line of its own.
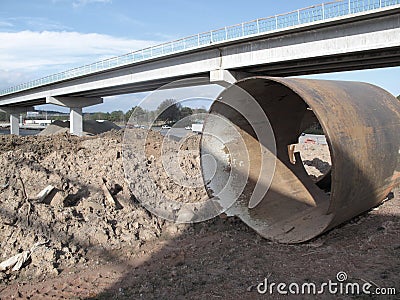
<point x="90" y="127"/>
<point x="76" y="217"/>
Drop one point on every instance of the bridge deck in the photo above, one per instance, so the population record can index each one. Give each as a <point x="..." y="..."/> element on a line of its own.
<point x="259" y="28"/>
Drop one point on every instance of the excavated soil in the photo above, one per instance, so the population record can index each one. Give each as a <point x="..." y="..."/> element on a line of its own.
<point x="93" y="249"/>
<point x="90" y="127"/>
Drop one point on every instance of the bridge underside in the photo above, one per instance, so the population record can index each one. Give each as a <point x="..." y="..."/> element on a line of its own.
<point x="372" y="59"/>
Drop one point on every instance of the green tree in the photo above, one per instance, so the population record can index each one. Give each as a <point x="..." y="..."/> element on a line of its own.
<point x="185" y="112"/>
<point x="129" y="113"/>
<point x="199" y="110"/>
<point x="117" y="116"/>
<point x="97" y="116"/>
<point x="151" y="115"/>
<point x="169" y="111"/>
<point x="139" y="115"/>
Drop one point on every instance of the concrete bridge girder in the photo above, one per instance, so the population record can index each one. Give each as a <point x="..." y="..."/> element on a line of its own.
<point x="226" y="77"/>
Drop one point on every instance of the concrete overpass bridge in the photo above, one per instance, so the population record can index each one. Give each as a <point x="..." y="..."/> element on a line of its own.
<point x="360" y="121"/>
<point x="331" y="37"/>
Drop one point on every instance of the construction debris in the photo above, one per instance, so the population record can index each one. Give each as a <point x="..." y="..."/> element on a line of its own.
<point x="4" y="186"/>
<point x="44" y="193"/>
<point x="17" y="261"/>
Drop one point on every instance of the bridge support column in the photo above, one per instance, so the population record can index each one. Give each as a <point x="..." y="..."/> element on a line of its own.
<point x="75" y="105"/>
<point x="75" y="121"/>
<point x="14" y="116"/>
<point x="14" y="123"/>
<point x="226" y="78"/>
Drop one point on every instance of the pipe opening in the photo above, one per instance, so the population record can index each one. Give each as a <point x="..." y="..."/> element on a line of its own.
<point x="314" y="152"/>
<point x="292" y="195"/>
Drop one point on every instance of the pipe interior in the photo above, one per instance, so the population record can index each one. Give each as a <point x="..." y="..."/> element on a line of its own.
<point x="293" y="196"/>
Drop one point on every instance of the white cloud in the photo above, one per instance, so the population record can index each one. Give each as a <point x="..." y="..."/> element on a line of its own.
<point x="41" y="24"/>
<point x="33" y="23"/>
<point x="6" y="24"/>
<point x="31" y="54"/>
<point x="12" y="77"/>
<point x="79" y="3"/>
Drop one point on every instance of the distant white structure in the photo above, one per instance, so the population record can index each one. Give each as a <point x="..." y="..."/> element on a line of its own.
<point x="32" y="113"/>
<point x="38" y="122"/>
<point x="197" y="128"/>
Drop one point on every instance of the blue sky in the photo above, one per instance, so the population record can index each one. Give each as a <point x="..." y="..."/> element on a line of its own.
<point x="41" y="37"/>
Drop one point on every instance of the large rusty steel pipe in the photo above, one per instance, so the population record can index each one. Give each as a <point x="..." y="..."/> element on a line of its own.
<point x="361" y="123"/>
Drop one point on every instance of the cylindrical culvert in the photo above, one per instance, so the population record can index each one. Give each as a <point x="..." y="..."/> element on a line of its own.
<point x="361" y="123"/>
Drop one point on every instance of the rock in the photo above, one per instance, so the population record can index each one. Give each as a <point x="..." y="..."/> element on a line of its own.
<point x="146" y="234"/>
<point x="90" y="205"/>
<point x="58" y="200"/>
<point x="3" y="276"/>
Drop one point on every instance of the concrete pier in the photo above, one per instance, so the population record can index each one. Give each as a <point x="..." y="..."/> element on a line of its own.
<point x="75" y="105"/>
<point x="15" y="112"/>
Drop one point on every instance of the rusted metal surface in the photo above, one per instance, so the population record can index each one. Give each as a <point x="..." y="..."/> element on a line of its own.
<point x="362" y="127"/>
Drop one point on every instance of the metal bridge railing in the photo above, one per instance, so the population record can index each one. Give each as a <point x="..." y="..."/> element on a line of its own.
<point x="324" y="11"/>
